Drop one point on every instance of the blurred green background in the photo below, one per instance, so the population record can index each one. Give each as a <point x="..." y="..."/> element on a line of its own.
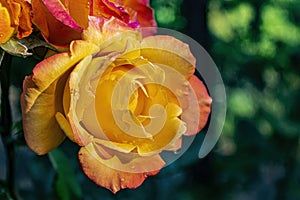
<point x="256" y="46"/>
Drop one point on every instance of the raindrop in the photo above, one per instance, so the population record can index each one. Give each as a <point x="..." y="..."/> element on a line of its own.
<point x="179" y="92"/>
<point x="75" y="92"/>
<point x="88" y="5"/>
<point x="177" y="152"/>
<point x="186" y="83"/>
<point x="186" y="93"/>
<point x="132" y="167"/>
<point x="120" y="8"/>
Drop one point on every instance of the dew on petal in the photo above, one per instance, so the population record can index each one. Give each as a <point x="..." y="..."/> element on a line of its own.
<point x="177" y="152"/>
<point x="132" y="167"/>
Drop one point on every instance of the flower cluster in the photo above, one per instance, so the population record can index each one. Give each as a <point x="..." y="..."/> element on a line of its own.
<point x="123" y="94"/>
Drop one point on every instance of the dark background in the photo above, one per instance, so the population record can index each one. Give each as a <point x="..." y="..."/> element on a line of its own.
<point x="255" y="45"/>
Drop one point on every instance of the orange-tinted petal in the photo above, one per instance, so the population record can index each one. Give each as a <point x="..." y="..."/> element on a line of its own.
<point x="43" y="96"/>
<point x="108" y="9"/>
<point x="100" y="172"/>
<point x="40" y="17"/>
<point x="204" y="102"/>
<point x="79" y="10"/>
<point x="14" y="9"/>
<point x="57" y="9"/>
<point x="126" y="162"/>
<point x="20" y="19"/>
<point x="144" y="13"/>
<point x="25" y="26"/>
<point x="54" y="31"/>
<point x="41" y="131"/>
<point x="6" y="30"/>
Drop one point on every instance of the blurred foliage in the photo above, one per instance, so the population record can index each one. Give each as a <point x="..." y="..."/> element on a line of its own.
<point x="66" y="185"/>
<point x="256" y="45"/>
<point x="168" y="13"/>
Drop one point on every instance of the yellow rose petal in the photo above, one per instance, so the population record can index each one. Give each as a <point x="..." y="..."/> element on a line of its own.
<point x="120" y="147"/>
<point x="42" y="97"/>
<point x="173" y="129"/>
<point x="169" y="51"/>
<point x="64" y="125"/>
<point x="152" y="124"/>
<point x="6" y="30"/>
<point x="41" y="131"/>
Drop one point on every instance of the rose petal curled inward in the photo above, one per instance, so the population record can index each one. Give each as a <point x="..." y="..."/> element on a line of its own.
<point x="42" y="97"/>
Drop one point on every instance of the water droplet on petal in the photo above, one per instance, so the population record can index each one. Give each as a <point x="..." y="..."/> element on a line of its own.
<point x="122" y="179"/>
<point x="179" y="92"/>
<point x="177" y="152"/>
<point x="186" y="83"/>
<point x="75" y="92"/>
<point x="120" y="8"/>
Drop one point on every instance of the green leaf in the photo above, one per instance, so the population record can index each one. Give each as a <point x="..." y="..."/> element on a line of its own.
<point x="16" y="48"/>
<point x="21" y="47"/>
<point x="66" y="185"/>
<point x="33" y="41"/>
<point x="17" y="127"/>
<point x="5" y="195"/>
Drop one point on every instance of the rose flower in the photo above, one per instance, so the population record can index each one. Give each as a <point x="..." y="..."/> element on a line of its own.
<point x="63" y="21"/>
<point x="123" y="103"/>
<point x="15" y="18"/>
